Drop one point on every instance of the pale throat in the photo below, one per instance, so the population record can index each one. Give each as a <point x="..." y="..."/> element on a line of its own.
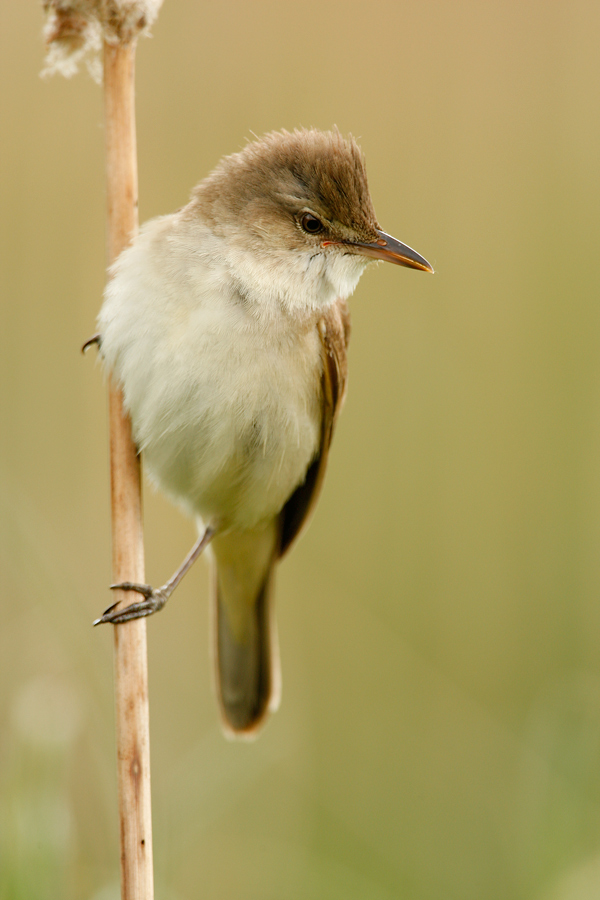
<point x="293" y="280"/>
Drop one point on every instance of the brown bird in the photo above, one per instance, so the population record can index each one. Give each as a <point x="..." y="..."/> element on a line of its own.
<point x="226" y="326"/>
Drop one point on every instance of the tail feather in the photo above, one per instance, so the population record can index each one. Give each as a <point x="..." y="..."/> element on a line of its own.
<point x="246" y="651"/>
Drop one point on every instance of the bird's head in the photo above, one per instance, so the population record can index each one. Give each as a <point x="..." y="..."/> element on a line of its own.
<point x="295" y="214"/>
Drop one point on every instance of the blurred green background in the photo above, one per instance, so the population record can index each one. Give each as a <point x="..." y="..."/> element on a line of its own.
<point x="439" y="734"/>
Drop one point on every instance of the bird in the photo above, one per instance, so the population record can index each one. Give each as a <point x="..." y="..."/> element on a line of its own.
<point x="226" y="326"/>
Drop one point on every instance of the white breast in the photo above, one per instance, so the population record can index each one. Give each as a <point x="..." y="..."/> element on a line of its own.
<point x="225" y="405"/>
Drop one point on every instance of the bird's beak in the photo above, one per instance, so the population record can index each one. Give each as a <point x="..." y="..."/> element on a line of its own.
<point x="391" y="250"/>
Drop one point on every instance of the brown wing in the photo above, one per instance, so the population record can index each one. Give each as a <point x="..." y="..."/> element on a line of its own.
<point x="334" y="329"/>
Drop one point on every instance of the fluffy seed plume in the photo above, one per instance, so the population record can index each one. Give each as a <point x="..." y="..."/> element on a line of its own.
<point x="75" y="30"/>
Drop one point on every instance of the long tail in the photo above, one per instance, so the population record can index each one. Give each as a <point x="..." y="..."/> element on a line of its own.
<point x="246" y="649"/>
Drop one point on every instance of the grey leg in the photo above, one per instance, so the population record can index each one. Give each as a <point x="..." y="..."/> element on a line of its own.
<point x="155" y="599"/>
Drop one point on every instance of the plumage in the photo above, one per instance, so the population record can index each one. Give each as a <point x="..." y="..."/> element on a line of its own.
<point x="249" y="679"/>
<point x="226" y="325"/>
<point x="334" y="330"/>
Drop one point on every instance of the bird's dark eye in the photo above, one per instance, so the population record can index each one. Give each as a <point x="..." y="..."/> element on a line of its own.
<point x="311" y="224"/>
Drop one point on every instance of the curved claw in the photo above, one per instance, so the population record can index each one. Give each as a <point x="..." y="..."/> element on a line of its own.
<point x="95" y="339"/>
<point x="154" y="601"/>
<point x="135" y="611"/>
<point x="108" y="610"/>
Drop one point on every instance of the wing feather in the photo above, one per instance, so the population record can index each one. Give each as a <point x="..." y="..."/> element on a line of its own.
<point x="334" y="330"/>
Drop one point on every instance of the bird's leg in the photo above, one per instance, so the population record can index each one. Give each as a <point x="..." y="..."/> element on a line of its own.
<point x="154" y="599"/>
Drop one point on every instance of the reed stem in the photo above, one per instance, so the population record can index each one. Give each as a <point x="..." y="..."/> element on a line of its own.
<point x="131" y="667"/>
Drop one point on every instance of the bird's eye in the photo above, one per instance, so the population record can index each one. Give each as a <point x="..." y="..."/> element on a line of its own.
<point x="311" y="224"/>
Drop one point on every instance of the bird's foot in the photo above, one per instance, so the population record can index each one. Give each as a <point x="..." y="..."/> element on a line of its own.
<point x="154" y="600"/>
